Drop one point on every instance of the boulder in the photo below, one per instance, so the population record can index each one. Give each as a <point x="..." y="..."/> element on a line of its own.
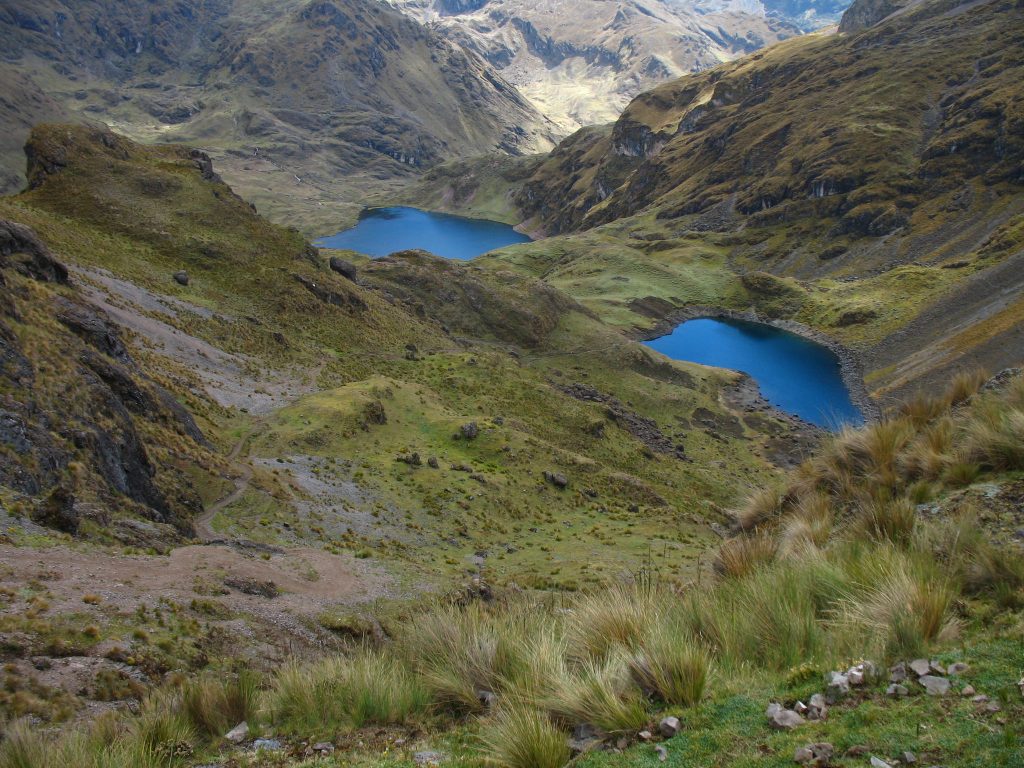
<point x="585" y="737"/>
<point x="432" y="462"/>
<point x="557" y="479"/>
<point x="838" y="687"/>
<point x="57" y="511"/>
<point x="344" y="268"/>
<point x="935" y="685"/>
<point x="818" y="707"/>
<point x="428" y="757"/>
<point x="782" y="719"/>
<point x="920" y="667"/>
<point x="181" y="277"/>
<point x="669" y="727"/>
<point x="908" y="758"/>
<point x="968" y="690"/>
<point x="896" y="690"/>
<point x="819" y="754"/>
<point x="898" y="672"/>
<point x="238" y="734"/>
<point x="469" y="431"/>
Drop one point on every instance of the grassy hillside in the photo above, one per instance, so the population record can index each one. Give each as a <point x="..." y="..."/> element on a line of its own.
<point x="866" y="185"/>
<point x="878" y="554"/>
<point x="219" y="422"/>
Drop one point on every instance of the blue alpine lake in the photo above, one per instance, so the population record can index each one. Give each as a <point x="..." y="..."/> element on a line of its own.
<point x="795" y="374"/>
<point x="381" y="231"/>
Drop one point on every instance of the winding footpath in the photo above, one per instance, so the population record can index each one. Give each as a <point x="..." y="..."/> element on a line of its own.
<point x="204" y="523"/>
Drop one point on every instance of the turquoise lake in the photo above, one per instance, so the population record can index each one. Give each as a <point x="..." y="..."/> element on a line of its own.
<point x="793" y="373"/>
<point x="381" y="231"/>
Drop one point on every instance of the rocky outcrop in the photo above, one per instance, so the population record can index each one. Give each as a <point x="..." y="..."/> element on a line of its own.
<point x="22" y="249"/>
<point x="866" y="13"/>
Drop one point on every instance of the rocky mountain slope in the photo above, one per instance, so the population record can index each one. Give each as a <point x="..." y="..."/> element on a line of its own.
<point x="867" y="184"/>
<point x="581" y="62"/>
<point x="201" y="409"/>
<point x="300" y="100"/>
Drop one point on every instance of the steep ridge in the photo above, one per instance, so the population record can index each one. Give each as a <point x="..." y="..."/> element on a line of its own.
<point x="874" y="177"/>
<point x="302" y="99"/>
<point x="581" y="63"/>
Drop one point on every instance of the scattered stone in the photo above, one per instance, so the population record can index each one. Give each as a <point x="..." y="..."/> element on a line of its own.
<point x="934" y="685"/>
<point x="488" y="698"/>
<point x="344" y="268"/>
<point x="935" y="668"/>
<point x="908" y="758"/>
<point x="557" y="479"/>
<point x="920" y="667"/>
<point x="819" y="708"/>
<point x="323" y="748"/>
<point x="251" y="586"/>
<point x="469" y="431"/>
<point x="990" y="706"/>
<point x="860" y="673"/>
<point x="428" y="758"/>
<point x="877" y="762"/>
<point x="432" y="462"/>
<point x="819" y="754"/>
<point x="412" y="459"/>
<point x="898" y="672"/>
<point x="782" y="719"/>
<point x="267" y="745"/>
<point x="42" y="663"/>
<point x="801" y="709"/>
<point x="181" y="277"/>
<point x="858" y="750"/>
<point x="897" y="691"/>
<point x="838" y="687"/>
<point x="661" y="752"/>
<point x="584" y="738"/>
<point x="622" y="743"/>
<point x="958" y="668"/>
<point x="1020" y="685"/>
<point x="645" y="735"/>
<point x="981" y="698"/>
<point x="669" y="727"/>
<point x="238" y="734"/>
<point x="968" y="690"/>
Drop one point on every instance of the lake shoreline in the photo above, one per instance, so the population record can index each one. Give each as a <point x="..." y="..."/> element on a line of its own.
<point x="850" y="365"/>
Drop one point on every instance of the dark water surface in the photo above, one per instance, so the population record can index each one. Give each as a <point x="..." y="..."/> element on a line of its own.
<point x="381" y="231"/>
<point x="793" y="373"/>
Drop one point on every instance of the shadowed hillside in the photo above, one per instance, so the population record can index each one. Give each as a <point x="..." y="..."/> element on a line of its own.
<point x="303" y="102"/>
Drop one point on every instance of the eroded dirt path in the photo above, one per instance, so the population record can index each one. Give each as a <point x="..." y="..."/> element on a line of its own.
<point x="204" y="523"/>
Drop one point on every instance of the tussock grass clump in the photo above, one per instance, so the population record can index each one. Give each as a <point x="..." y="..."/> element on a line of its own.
<point x="602" y="693"/>
<point x="901" y="600"/>
<point x="525" y="738"/>
<point x="457" y="654"/>
<point x="808" y="527"/>
<point x="617" y="617"/>
<point x="745" y="554"/>
<point x="339" y="693"/>
<point x="215" y="706"/>
<point x="888" y="519"/>
<point x="761" y="507"/>
<point x="670" y="666"/>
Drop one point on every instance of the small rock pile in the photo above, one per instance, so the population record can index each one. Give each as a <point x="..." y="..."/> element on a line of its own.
<point x="930" y="675"/>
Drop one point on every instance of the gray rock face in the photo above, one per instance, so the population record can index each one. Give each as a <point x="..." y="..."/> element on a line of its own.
<point x="934" y="685"/>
